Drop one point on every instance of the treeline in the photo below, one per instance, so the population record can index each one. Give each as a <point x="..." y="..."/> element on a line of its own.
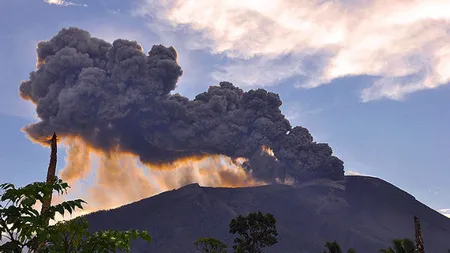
<point x="258" y="230"/>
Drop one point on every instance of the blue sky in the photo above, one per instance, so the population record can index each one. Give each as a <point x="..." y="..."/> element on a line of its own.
<point x="376" y="91"/>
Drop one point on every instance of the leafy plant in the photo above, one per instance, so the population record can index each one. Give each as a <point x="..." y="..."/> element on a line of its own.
<point x="20" y="223"/>
<point x="210" y="245"/>
<point x="73" y="236"/>
<point x="334" y="247"/>
<point x="255" y="231"/>
<point x="26" y="229"/>
<point x="401" y="246"/>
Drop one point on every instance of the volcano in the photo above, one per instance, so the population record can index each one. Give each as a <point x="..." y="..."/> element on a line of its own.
<point x="361" y="212"/>
<point x="116" y="100"/>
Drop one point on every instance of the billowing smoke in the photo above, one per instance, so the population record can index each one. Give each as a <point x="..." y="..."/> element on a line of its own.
<point x="117" y="98"/>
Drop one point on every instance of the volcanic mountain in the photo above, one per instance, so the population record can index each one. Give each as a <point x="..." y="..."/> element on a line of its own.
<point x="365" y="213"/>
<point x="118" y="100"/>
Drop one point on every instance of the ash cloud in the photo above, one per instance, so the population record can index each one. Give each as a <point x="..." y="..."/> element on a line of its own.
<point x="116" y="97"/>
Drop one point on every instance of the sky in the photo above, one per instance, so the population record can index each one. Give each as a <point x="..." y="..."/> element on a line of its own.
<point x="369" y="77"/>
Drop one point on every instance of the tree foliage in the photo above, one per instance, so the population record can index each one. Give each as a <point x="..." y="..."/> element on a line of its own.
<point x="334" y="247"/>
<point x="26" y="229"/>
<point x="210" y="245"/>
<point x="255" y="231"/>
<point x="74" y="236"/>
<point x="401" y="246"/>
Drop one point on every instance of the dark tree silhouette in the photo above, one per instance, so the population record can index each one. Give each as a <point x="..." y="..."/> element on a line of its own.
<point x="255" y="231"/>
<point x="334" y="247"/>
<point x="401" y="246"/>
<point x="210" y="245"/>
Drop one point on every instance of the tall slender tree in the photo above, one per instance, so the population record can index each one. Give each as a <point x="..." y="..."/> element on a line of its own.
<point x="419" y="239"/>
<point x="51" y="172"/>
<point x="51" y="176"/>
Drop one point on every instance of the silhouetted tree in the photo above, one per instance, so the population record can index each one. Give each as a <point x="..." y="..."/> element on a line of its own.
<point x="401" y="246"/>
<point x="255" y="231"/>
<point x="210" y="245"/>
<point x="334" y="247"/>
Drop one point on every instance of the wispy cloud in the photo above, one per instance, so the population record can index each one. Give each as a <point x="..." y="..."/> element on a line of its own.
<point x="445" y="212"/>
<point x="64" y="3"/>
<point x="354" y="173"/>
<point x="402" y="42"/>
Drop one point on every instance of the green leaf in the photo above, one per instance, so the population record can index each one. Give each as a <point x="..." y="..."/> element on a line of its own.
<point x="32" y="229"/>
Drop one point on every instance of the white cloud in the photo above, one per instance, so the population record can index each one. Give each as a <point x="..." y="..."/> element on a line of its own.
<point x="405" y="43"/>
<point x="260" y="72"/>
<point x="355" y="173"/>
<point x="445" y="212"/>
<point x="63" y="3"/>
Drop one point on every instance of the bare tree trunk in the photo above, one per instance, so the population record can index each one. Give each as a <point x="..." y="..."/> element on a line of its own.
<point x="51" y="172"/>
<point x="419" y="240"/>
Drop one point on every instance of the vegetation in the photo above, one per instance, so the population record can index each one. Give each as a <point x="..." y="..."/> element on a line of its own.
<point x="26" y="230"/>
<point x="255" y="231"/>
<point x="258" y="230"/>
<point x="401" y="246"/>
<point x="210" y="245"/>
<point x="334" y="247"/>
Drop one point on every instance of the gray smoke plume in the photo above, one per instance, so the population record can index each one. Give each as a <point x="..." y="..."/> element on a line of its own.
<point x="116" y="97"/>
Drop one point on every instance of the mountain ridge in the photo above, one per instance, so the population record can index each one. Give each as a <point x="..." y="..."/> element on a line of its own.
<point x="360" y="212"/>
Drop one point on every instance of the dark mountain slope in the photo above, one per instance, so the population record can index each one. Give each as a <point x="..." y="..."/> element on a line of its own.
<point x="360" y="212"/>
